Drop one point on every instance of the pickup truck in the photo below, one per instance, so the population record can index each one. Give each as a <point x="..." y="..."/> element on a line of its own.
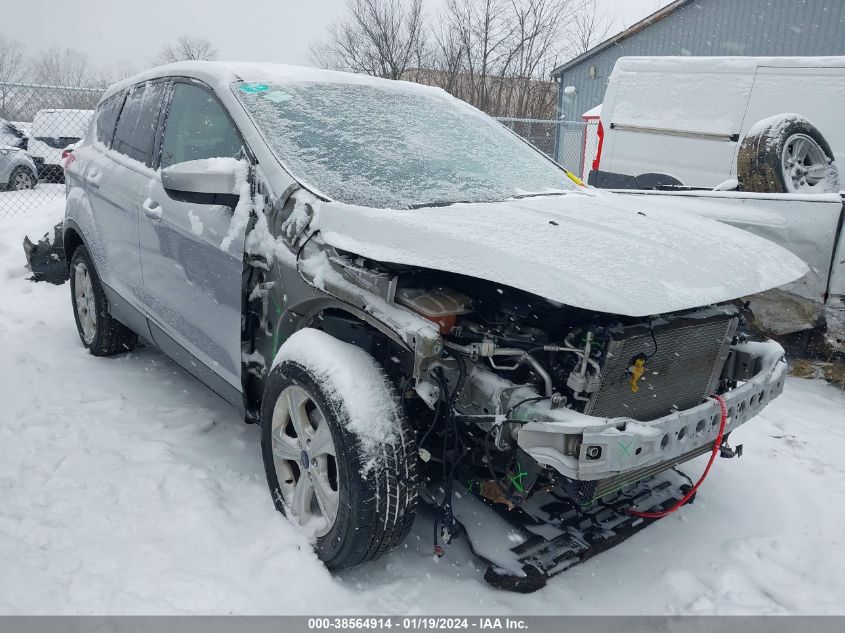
<point x="809" y="225"/>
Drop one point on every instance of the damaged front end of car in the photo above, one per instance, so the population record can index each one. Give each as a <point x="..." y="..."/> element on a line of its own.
<point x="514" y="393"/>
<point x="561" y="419"/>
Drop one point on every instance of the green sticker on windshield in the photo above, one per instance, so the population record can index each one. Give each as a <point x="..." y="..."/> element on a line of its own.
<point x="253" y="88"/>
<point x="278" y="96"/>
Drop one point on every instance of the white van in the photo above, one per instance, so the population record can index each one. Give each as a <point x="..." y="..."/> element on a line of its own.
<point x="51" y="132"/>
<point x="685" y="120"/>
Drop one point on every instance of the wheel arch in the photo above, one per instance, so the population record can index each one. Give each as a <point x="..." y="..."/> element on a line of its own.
<point x="344" y="322"/>
<point x="71" y="239"/>
<point x="353" y="326"/>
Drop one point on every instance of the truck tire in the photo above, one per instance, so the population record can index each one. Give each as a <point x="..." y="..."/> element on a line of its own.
<point x="101" y="334"/>
<point x="786" y="154"/>
<point x="357" y="504"/>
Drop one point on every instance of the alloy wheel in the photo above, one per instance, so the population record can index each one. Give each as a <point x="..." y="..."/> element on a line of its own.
<point x="86" y="307"/>
<point x="23" y="180"/>
<point x="804" y="163"/>
<point x="305" y="457"/>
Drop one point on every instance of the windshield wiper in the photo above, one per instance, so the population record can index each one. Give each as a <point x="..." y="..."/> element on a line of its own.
<point x="423" y="205"/>
<point x="537" y="195"/>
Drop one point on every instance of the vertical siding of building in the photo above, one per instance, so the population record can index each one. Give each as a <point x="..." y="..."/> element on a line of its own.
<point x="715" y="27"/>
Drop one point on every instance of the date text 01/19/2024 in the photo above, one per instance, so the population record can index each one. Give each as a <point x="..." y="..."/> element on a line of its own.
<point x="417" y="623"/>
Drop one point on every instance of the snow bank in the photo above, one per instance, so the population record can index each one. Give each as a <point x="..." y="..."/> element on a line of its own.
<point x="353" y="377"/>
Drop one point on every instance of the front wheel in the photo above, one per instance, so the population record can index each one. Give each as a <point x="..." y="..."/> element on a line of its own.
<point x="343" y="468"/>
<point x="21" y="179"/>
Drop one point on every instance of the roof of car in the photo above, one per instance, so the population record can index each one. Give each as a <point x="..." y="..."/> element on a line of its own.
<point x="220" y="73"/>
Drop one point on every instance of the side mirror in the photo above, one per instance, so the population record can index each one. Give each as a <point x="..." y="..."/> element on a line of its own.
<point x="207" y="181"/>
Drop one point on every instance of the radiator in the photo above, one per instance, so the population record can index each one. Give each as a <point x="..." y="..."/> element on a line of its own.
<point x="683" y="371"/>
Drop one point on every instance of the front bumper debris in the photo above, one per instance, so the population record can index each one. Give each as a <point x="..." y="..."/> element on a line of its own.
<point x="46" y="258"/>
<point x="551" y="532"/>
<point x="624" y="450"/>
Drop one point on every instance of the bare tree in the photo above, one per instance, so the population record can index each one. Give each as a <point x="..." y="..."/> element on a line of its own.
<point x="590" y="27"/>
<point x="12" y="64"/>
<point x="384" y="38"/>
<point x="12" y="69"/>
<point x="63" y="68"/>
<point x="496" y="54"/>
<point x="484" y="30"/>
<point x="187" y="48"/>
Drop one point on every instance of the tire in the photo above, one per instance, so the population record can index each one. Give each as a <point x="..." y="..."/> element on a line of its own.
<point x="786" y="154"/>
<point x="103" y="335"/>
<point x="375" y="506"/>
<point x="21" y="178"/>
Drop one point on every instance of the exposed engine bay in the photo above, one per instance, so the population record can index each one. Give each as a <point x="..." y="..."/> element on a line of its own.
<point x="513" y="395"/>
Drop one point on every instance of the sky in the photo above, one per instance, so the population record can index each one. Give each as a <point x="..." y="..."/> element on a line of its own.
<point x="114" y="32"/>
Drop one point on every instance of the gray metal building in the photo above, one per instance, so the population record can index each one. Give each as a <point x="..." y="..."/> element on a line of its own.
<point x="706" y="27"/>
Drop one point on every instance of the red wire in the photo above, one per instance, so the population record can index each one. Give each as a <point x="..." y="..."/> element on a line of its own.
<point x="686" y="497"/>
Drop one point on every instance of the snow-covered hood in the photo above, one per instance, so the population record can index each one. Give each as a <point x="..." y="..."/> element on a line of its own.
<point x="594" y="250"/>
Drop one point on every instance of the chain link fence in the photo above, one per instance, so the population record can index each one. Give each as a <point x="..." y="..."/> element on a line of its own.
<point x="573" y="144"/>
<point x="38" y="123"/>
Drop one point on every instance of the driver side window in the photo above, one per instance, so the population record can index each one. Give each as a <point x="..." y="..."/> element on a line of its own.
<point x="197" y="127"/>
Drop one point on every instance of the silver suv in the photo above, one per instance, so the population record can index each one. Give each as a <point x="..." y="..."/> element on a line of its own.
<point x="406" y="296"/>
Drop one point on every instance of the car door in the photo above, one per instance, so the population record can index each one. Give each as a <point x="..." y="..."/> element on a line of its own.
<point x="117" y="178"/>
<point x="192" y="285"/>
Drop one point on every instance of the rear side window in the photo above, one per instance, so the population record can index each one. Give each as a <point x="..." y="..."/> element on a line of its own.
<point x="197" y="127"/>
<point x="138" y="120"/>
<point x="107" y="117"/>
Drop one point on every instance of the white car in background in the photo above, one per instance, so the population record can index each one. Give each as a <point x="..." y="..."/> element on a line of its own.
<point x="763" y="124"/>
<point x="51" y="132"/>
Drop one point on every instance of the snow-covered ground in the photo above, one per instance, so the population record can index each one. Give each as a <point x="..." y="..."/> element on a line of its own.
<point x="18" y="203"/>
<point x="127" y="487"/>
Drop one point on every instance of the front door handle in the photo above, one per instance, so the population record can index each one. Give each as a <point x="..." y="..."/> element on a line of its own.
<point x="152" y="209"/>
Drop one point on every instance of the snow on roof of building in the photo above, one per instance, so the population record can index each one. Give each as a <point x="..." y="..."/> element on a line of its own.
<point x="592" y="113"/>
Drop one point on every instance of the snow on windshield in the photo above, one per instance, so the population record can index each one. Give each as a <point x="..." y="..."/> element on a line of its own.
<point x="376" y="146"/>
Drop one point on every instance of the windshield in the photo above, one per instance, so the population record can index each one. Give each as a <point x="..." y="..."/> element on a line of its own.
<point x="394" y="147"/>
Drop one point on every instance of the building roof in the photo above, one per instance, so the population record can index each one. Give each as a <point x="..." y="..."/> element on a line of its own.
<point x="658" y="15"/>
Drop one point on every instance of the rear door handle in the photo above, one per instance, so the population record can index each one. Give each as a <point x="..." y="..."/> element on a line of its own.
<point x="152" y="209"/>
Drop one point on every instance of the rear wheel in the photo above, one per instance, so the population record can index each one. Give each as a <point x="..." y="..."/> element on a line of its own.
<point x="357" y="503"/>
<point x="100" y="333"/>
<point x="786" y="155"/>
